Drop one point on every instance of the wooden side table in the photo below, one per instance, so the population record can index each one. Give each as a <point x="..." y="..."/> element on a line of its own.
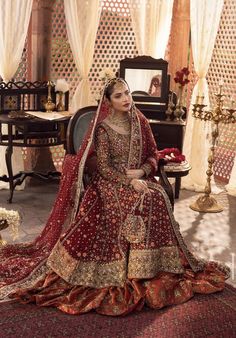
<point x="169" y="134"/>
<point x="177" y="172"/>
<point x="29" y="132"/>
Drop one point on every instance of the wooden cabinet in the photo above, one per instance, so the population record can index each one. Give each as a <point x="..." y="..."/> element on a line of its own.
<point x="168" y="134"/>
<point x="140" y="72"/>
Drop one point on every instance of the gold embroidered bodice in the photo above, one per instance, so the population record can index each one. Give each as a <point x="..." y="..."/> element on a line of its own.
<point x="112" y="153"/>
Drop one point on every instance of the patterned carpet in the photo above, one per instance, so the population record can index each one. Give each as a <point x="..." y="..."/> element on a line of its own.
<point x="203" y="316"/>
<point x="212" y="236"/>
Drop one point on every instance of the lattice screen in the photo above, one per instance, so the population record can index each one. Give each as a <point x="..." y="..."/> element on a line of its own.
<point x="223" y="65"/>
<point x="115" y="41"/>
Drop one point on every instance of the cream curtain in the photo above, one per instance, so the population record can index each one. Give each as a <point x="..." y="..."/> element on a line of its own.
<point x="151" y="20"/>
<point x="204" y="20"/>
<point x="14" y="22"/>
<point x="231" y="186"/>
<point x="82" y="20"/>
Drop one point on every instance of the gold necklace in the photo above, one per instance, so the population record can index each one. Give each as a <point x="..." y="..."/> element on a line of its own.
<point x="123" y="123"/>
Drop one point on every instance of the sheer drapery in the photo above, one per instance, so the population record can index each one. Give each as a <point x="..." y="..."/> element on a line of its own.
<point x="151" y="20"/>
<point x="204" y="21"/>
<point x="82" y="20"/>
<point x="14" y="22"/>
<point x="231" y="186"/>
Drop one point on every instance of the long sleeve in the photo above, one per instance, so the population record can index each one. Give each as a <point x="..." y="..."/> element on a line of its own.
<point x="104" y="165"/>
<point x="150" y="164"/>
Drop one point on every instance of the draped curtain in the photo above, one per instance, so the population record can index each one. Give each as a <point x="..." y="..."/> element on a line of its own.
<point x="14" y="22"/>
<point x="204" y="21"/>
<point x="82" y="20"/>
<point x="151" y="20"/>
<point x="231" y="186"/>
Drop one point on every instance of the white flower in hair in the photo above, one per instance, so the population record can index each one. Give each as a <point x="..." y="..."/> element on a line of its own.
<point x="106" y="74"/>
<point x="61" y="86"/>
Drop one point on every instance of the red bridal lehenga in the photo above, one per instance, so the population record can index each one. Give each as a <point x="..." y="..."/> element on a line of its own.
<point x="115" y="250"/>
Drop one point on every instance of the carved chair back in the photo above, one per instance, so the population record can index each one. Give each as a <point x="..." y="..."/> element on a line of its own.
<point x="76" y="131"/>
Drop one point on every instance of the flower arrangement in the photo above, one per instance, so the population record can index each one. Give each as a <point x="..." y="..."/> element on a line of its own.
<point x="181" y="76"/>
<point x="9" y="218"/>
<point x="171" y="155"/>
<point x="61" y="86"/>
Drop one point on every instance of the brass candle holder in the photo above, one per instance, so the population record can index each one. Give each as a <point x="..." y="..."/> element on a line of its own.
<point x="49" y="105"/>
<point x="206" y="203"/>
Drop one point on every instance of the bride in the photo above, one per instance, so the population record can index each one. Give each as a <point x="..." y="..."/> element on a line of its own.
<point x="115" y="246"/>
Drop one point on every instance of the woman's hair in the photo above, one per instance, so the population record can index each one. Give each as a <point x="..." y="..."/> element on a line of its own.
<point x="109" y="87"/>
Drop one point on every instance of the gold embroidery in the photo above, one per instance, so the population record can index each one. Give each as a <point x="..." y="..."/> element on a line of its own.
<point x="196" y="264"/>
<point x="147" y="263"/>
<point x="134" y="229"/>
<point x="35" y="276"/>
<point x="86" y="273"/>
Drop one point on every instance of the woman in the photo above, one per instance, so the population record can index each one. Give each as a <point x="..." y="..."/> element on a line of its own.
<point x="119" y="246"/>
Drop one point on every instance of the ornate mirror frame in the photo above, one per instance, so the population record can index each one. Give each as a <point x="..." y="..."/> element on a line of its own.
<point x="141" y="73"/>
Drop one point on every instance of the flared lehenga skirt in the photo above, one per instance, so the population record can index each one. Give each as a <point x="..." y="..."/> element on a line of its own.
<point x="123" y="251"/>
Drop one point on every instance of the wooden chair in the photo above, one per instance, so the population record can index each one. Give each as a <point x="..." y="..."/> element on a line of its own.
<point x="76" y="131"/>
<point x="140" y="93"/>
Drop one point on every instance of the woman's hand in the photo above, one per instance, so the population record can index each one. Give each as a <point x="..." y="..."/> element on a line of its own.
<point x="139" y="185"/>
<point x="135" y="173"/>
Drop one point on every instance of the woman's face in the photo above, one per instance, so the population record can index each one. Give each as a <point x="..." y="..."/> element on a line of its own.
<point x="121" y="98"/>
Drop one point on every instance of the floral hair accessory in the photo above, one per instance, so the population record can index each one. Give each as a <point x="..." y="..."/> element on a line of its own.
<point x="106" y="74"/>
<point x="114" y="80"/>
<point x="181" y="76"/>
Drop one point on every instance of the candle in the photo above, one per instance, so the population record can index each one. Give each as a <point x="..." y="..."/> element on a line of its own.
<point x="221" y="82"/>
<point x="232" y="103"/>
<point x="201" y="99"/>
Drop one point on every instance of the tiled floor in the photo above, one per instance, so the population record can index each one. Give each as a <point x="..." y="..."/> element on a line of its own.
<point x="210" y="235"/>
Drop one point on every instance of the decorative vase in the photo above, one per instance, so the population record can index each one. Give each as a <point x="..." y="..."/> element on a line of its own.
<point x="170" y="107"/>
<point x="179" y="110"/>
<point x="49" y="105"/>
<point x="60" y="104"/>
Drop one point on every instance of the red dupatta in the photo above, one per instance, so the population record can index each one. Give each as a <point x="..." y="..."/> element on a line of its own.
<point x="23" y="264"/>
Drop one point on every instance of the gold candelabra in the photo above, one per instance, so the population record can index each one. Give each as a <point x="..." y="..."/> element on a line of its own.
<point x="219" y="114"/>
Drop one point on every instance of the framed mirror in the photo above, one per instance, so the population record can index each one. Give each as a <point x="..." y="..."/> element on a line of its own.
<point x="147" y="78"/>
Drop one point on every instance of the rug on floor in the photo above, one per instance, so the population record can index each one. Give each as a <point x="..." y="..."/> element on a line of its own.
<point x="203" y="316"/>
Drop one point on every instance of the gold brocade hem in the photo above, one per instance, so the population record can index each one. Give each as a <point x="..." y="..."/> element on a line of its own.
<point x="35" y="276"/>
<point x="147" y="263"/>
<point x="142" y="264"/>
<point x="90" y="273"/>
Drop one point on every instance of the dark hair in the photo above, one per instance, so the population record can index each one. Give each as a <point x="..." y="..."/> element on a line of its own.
<point x="109" y="88"/>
